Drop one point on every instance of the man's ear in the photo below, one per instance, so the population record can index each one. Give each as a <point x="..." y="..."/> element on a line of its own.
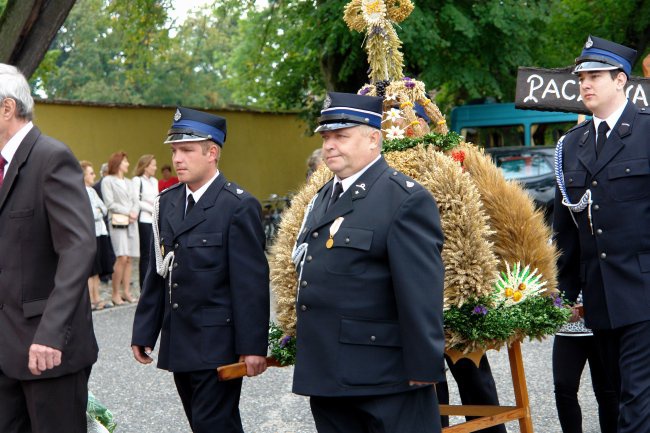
<point x="621" y="80"/>
<point x="8" y="108"/>
<point x="375" y="138"/>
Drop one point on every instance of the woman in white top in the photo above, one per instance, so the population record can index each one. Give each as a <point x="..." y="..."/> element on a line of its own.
<point x="146" y="186"/>
<point x="103" y="264"/>
<point x="121" y="199"/>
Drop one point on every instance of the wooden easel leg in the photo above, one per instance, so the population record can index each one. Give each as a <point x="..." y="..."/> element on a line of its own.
<point x="519" y="385"/>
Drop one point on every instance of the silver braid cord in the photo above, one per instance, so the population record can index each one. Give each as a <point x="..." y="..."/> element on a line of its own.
<point x="300" y="251"/>
<point x="163" y="265"/>
<point x="584" y="202"/>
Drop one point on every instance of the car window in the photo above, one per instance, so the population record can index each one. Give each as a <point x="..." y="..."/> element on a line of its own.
<point x="524" y="165"/>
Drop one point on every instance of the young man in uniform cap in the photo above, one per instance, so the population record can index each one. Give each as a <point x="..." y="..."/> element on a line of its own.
<point x="602" y="215"/>
<point x="370" y="336"/>
<point x="207" y="291"/>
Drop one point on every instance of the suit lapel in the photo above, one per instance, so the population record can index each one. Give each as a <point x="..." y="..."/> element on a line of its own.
<point x="24" y="149"/>
<point x="355" y="192"/>
<point x="614" y="143"/>
<point x="197" y="215"/>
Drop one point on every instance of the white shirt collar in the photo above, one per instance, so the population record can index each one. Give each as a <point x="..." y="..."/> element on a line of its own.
<point x="11" y="147"/>
<point x="348" y="181"/>
<point x="612" y="119"/>
<point x="199" y="192"/>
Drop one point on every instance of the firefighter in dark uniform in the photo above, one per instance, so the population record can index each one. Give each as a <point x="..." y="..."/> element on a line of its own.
<point x="369" y="333"/>
<point x="602" y="224"/>
<point x="207" y="292"/>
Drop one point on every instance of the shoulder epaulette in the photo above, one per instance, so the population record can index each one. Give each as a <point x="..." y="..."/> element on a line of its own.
<point x="170" y="188"/>
<point x="235" y="190"/>
<point x="409" y="185"/>
<point x="579" y="125"/>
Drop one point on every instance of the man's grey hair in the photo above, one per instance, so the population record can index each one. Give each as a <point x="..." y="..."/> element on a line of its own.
<point x="367" y="130"/>
<point x="14" y="85"/>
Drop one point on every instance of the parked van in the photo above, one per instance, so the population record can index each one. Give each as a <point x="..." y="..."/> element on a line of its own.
<point x="498" y="125"/>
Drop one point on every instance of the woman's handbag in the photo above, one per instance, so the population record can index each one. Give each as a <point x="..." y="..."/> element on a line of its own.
<point x="119" y="221"/>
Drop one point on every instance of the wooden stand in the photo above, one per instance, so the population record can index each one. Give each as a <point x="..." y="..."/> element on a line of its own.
<point x="495" y="415"/>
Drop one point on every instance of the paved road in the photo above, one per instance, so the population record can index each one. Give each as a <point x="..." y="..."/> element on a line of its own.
<point x="144" y="399"/>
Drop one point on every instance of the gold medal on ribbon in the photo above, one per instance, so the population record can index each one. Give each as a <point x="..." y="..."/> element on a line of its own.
<point x="333" y="229"/>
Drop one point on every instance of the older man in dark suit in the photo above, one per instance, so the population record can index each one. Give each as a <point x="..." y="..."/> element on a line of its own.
<point x="602" y="220"/>
<point x="369" y="333"/>
<point x="207" y="291"/>
<point x="47" y="242"/>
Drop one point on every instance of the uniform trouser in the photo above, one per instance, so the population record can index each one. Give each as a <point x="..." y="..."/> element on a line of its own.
<point x="570" y="354"/>
<point x="413" y="411"/>
<point x="210" y="405"/>
<point x="56" y="405"/>
<point x="626" y="355"/>
<point x="145" y="230"/>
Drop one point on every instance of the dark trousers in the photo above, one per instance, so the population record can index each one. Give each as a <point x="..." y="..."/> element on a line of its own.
<point x="412" y="411"/>
<point x="626" y="355"/>
<point x="570" y="354"/>
<point x="145" y="231"/>
<point x="475" y="385"/>
<point x="56" y="405"/>
<point x="210" y="406"/>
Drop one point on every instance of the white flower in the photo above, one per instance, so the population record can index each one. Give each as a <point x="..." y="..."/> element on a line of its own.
<point x="391" y="97"/>
<point x="394" y="132"/>
<point x="393" y="114"/>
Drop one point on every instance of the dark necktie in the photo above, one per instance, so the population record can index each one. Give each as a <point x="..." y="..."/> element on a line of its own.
<point x="338" y="189"/>
<point x="3" y="162"/>
<point x="190" y="204"/>
<point x="602" y="136"/>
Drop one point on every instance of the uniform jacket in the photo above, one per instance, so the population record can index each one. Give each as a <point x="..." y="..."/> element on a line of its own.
<point x="612" y="264"/>
<point x="218" y="305"/>
<point x="47" y="245"/>
<point x="370" y="308"/>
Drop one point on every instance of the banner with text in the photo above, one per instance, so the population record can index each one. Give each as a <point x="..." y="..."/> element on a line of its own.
<point x="558" y="90"/>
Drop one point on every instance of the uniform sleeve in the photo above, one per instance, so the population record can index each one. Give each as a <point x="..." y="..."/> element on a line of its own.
<point x="414" y="246"/>
<point x="566" y="236"/>
<point x="249" y="279"/>
<point x="73" y="238"/>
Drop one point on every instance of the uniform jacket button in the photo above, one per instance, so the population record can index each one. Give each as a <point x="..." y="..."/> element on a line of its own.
<point x="314" y="235"/>
<point x="570" y="180"/>
<point x="603" y="256"/>
<point x="347" y="240"/>
<point x="303" y="284"/>
<point x="175" y="265"/>
<point x="176" y="245"/>
<point x="175" y="285"/>
<point x="205" y="241"/>
<point x="373" y="338"/>
<point x="309" y="258"/>
<point x="175" y="306"/>
<point x="228" y="320"/>
<point x="303" y="307"/>
<point x="594" y="183"/>
<point x="599" y="231"/>
<point x="596" y="207"/>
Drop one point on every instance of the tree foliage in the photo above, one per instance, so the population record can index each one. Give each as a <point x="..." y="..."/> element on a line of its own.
<point x="284" y="54"/>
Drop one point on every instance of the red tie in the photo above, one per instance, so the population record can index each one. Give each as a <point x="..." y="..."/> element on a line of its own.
<point x="2" y="170"/>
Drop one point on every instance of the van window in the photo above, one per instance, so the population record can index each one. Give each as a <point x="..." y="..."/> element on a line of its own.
<point x="495" y="136"/>
<point x="548" y="134"/>
<point x="523" y="165"/>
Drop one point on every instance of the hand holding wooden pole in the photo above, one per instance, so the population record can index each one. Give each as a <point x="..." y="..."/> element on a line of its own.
<point x="238" y="369"/>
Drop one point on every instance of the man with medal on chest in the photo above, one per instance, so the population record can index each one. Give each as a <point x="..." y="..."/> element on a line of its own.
<point x="602" y="224"/>
<point x="207" y="291"/>
<point x="369" y="332"/>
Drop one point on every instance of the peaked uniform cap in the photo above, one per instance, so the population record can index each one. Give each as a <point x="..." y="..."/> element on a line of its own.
<point x="345" y="110"/>
<point x="599" y="54"/>
<point x="193" y="125"/>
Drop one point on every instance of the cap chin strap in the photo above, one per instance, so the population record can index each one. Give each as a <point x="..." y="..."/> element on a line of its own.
<point x="584" y="202"/>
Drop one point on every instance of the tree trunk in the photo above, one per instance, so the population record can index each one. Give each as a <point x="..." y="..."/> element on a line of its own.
<point x="27" y="28"/>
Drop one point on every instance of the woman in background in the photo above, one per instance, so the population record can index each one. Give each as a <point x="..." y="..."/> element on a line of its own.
<point x="146" y="186"/>
<point x="122" y="203"/>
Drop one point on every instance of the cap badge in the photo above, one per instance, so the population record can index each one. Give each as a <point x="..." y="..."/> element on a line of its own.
<point x="327" y="103"/>
<point x="177" y="115"/>
<point x="589" y="43"/>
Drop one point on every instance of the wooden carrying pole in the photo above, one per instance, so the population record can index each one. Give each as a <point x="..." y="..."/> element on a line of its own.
<point x="494" y="415"/>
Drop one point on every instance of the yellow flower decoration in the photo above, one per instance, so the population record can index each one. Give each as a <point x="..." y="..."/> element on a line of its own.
<point x="521" y="287"/>
<point x="508" y="292"/>
<point x="517" y="296"/>
<point x="521" y="279"/>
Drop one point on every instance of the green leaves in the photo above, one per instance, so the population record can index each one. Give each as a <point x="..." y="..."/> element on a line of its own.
<point x="282" y="347"/>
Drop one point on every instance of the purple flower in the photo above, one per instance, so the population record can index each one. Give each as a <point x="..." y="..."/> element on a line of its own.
<point x="364" y="91"/>
<point x="409" y="83"/>
<point x="285" y="340"/>
<point x="557" y="301"/>
<point x="480" y="309"/>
